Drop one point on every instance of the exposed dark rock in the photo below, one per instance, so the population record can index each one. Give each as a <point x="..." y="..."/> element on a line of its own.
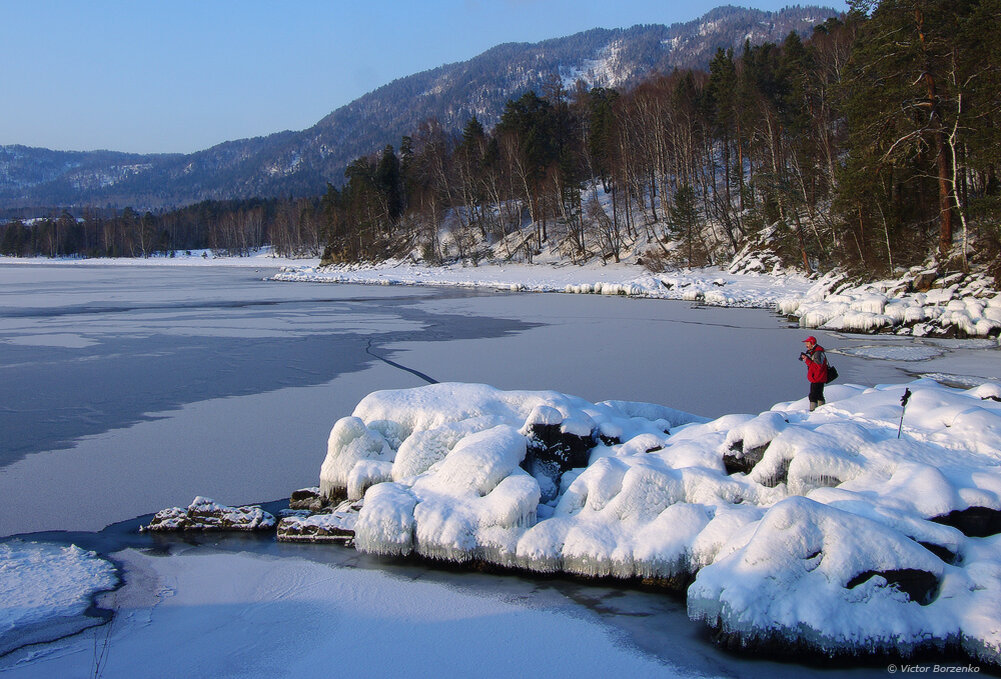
<point x="974" y="522"/>
<point x="552" y="452"/>
<point x="547" y="442"/>
<point x="944" y="553"/>
<point x="292" y="529"/>
<point x="740" y="460"/>
<point x="918" y="585"/>
<point x="609" y="440"/>
<point x="335" y="525"/>
<point x="923" y="281"/>
<point x="307" y="498"/>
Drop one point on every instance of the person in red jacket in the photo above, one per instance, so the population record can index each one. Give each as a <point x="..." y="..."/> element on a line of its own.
<point x="816" y="371"/>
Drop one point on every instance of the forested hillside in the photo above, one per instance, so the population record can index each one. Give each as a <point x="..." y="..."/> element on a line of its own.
<point x="301" y="163"/>
<point x="872" y="144"/>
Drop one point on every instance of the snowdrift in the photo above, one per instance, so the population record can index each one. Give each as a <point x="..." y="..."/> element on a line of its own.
<point x="821" y="531"/>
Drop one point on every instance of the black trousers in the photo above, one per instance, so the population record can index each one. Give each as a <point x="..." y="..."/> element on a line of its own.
<point x="816" y="391"/>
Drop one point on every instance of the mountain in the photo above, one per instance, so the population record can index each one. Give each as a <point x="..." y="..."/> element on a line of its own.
<point x="302" y="163"/>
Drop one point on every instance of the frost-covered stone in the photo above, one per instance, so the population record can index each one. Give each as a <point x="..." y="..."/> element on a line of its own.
<point x="306" y="499"/>
<point x="206" y="514"/>
<point x="336" y="525"/>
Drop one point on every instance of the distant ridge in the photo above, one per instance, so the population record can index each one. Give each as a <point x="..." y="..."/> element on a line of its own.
<point x="302" y="163"/>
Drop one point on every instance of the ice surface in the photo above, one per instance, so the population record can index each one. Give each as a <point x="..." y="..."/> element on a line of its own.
<point x="243" y="614"/>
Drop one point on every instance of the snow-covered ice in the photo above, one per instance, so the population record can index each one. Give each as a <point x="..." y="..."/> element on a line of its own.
<point x="244" y="615"/>
<point x="46" y="589"/>
<point x="835" y="534"/>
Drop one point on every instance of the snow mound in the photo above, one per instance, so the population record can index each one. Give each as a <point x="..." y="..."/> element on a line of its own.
<point x="46" y="590"/>
<point x="825" y="530"/>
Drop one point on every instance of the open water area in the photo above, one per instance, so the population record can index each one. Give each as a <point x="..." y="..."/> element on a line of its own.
<point x="124" y="390"/>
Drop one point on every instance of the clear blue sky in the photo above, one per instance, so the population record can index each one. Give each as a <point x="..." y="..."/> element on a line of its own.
<point x="183" y="75"/>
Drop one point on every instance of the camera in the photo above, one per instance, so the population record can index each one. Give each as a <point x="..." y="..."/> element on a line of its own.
<point x="802" y="355"/>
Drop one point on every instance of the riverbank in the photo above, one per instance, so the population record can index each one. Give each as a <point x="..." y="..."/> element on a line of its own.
<point x="920" y="303"/>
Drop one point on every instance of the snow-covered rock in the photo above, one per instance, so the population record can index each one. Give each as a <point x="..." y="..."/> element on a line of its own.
<point x="823" y="530"/>
<point x="206" y="514"/>
<point x="336" y="525"/>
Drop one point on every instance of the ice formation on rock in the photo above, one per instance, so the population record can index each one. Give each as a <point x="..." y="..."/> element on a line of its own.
<point x="824" y="530"/>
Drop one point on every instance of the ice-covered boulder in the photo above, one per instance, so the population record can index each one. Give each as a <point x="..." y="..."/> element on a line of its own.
<point x="811" y="575"/>
<point x="824" y="531"/>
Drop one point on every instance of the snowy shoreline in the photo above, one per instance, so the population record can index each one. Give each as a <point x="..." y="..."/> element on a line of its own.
<point x="921" y="303"/>
<point x="708" y="286"/>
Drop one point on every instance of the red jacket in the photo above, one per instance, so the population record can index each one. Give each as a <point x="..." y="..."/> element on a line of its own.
<point x="816" y="364"/>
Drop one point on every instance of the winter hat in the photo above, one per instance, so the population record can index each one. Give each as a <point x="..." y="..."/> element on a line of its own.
<point x="811" y="339"/>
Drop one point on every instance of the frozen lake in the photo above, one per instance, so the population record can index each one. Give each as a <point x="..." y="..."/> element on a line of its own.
<point x="128" y="389"/>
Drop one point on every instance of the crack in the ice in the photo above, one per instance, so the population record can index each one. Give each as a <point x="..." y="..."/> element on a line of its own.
<point x="426" y="378"/>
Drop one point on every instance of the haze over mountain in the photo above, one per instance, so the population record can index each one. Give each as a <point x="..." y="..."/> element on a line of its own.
<point x="302" y="163"/>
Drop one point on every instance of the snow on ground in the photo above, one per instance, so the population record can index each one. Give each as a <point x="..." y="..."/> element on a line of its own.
<point x="199" y="614"/>
<point x="825" y="529"/>
<point x="46" y="590"/>
<point x="709" y="286"/>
